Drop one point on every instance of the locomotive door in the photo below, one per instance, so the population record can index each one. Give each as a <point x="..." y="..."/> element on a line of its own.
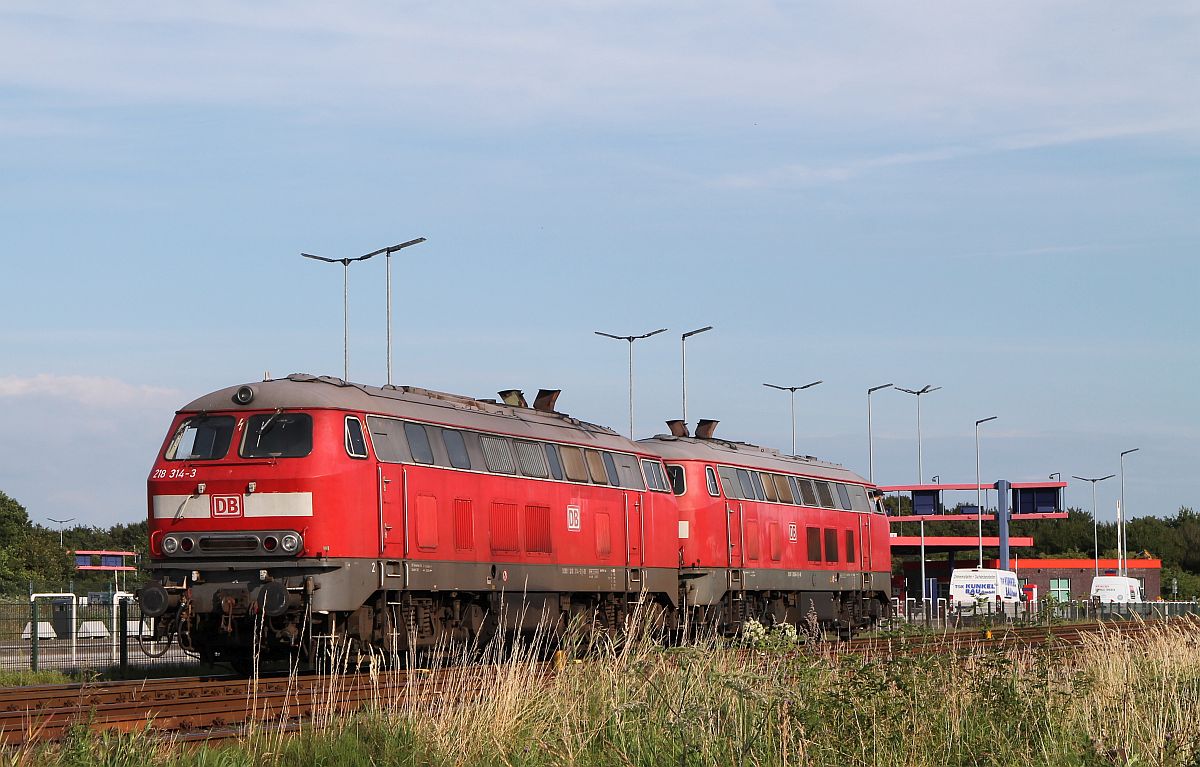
<point x="733" y="534"/>
<point x="634" y="533"/>
<point x="393" y="507"/>
<point x="864" y="541"/>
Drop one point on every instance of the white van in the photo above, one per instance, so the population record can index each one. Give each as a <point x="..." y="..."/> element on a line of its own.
<point x="975" y="584"/>
<point x="1116" y="588"/>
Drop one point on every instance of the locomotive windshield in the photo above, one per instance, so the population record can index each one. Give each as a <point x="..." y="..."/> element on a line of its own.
<point x="277" y="435"/>
<point x="201" y="438"/>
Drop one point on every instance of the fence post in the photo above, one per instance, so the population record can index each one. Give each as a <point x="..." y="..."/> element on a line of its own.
<point x="125" y="634"/>
<point x="33" y="635"/>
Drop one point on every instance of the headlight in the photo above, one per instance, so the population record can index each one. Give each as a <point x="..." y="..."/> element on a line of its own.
<point x="290" y="543"/>
<point x="170" y="544"/>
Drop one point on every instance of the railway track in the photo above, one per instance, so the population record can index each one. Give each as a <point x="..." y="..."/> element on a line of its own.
<point x="214" y="708"/>
<point x="210" y="708"/>
<point x="1065" y="635"/>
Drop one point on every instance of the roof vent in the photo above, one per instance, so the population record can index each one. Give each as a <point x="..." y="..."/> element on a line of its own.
<point x="705" y="428"/>
<point x="513" y="398"/>
<point x="545" y="400"/>
<point x="678" y="428"/>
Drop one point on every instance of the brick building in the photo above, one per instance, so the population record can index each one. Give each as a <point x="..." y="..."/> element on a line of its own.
<point x="1071" y="579"/>
<point x="1063" y="579"/>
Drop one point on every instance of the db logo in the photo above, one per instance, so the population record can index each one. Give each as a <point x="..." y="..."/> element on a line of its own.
<point x="573" y="518"/>
<point x="225" y="505"/>
<point x="792" y="531"/>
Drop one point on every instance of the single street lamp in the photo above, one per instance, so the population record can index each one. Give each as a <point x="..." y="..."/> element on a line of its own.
<point x="1122" y="564"/>
<point x="926" y="390"/>
<point x="631" y="339"/>
<point x="870" y="436"/>
<point x="793" y="390"/>
<point x="60" y="523"/>
<point x="683" y="363"/>
<point x="1095" y="524"/>
<point x="978" y="502"/>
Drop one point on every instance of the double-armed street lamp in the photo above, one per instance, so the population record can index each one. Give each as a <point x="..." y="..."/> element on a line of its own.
<point x="1095" y="524"/>
<point x="60" y="523"/>
<point x="631" y="339"/>
<point x="345" y="262"/>
<point x="793" y="390"/>
<point x="927" y="389"/>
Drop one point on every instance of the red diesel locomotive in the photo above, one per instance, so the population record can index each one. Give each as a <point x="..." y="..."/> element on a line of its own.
<point x="293" y="510"/>
<point x="773" y="537"/>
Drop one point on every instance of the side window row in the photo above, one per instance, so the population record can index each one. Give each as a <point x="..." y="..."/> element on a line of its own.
<point x="748" y="485"/>
<point x="398" y="441"/>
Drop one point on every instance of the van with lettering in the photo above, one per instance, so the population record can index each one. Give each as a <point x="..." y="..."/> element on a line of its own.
<point x="1110" y="589"/>
<point x="981" y="584"/>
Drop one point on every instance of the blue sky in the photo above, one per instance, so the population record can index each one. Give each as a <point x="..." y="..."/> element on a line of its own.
<point x="998" y="200"/>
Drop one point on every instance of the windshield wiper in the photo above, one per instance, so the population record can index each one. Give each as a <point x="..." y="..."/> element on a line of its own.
<point x="266" y="426"/>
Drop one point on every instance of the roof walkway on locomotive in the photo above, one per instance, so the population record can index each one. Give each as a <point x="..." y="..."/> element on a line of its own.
<point x="301" y="390"/>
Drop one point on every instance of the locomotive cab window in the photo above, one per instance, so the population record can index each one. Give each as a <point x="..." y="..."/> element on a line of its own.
<point x="710" y="477"/>
<point x="675" y="474"/>
<point x="202" y="438"/>
<point x="277" y="435"/>
<point x="356" y="441"/>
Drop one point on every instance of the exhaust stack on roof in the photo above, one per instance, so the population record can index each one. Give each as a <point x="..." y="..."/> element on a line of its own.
<point x="513" y="398"/>
<point x="678" y="428"/>
<point x="705" y="429"/>
<point x="545" y="400"/>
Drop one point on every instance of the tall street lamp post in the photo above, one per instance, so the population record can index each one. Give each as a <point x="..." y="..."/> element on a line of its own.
<point x="1095" y="524"/>
<point x="387" y="252"/>
<point x="917" y="393"/>
<point x="631" y="339"/>
<point x="793" y="390"/>
<point x="60" y="523"/>
<point x="1122" y="563"/>
<point x="978" y="485"/>
<point x="345" y="262"/>
<point x="870" y="436"/>
<point x="683" y="362"/>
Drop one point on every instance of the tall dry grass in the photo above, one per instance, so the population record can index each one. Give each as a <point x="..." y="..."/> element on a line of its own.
<point x="1115" y="701"/>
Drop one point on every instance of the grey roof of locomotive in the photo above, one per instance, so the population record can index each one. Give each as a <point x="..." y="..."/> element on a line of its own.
<point x="747" y="455"/>
<point x="300" y="390"/>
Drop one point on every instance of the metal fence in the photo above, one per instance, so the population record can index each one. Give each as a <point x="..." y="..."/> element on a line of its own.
<point x="65" y="632"/>
<point x="940" y="614"/>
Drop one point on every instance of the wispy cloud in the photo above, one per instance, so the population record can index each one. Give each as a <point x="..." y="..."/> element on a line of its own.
<point x="810" y="175"/>
<point x="91" y="391"/>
